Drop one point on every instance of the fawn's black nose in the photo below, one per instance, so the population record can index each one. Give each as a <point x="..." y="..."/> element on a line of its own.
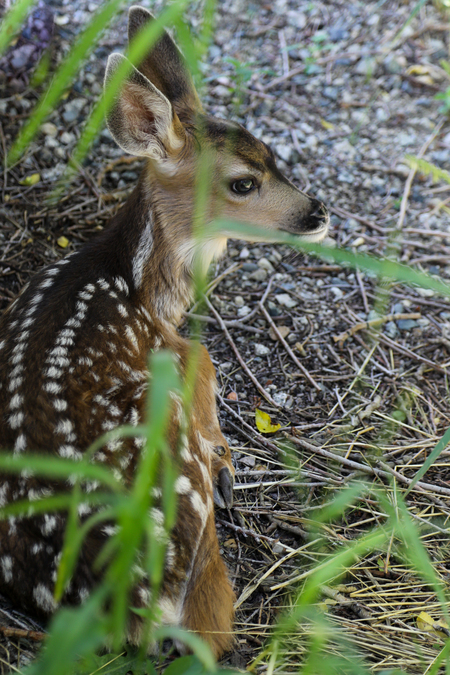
<point x="318" y="217"/>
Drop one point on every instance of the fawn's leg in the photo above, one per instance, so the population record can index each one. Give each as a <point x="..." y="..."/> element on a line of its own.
<point x="208" y="605"/>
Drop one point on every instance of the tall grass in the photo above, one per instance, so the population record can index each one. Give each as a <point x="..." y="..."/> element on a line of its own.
<point x="77" y="634"/>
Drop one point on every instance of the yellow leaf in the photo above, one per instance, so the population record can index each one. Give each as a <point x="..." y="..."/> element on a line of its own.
<point x="264" y="423"/>
<point x="63" y="242"/>
<point x="326" y="125"/>
<point x="32" y="179"/>
<point x="427" y="623"/>
<point x="417" y="69"/>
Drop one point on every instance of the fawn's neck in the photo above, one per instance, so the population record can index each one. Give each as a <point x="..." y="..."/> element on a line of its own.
<point x="151" y="237"/>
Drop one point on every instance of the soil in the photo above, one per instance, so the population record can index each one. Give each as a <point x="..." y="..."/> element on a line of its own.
<point x="343" y="92"/>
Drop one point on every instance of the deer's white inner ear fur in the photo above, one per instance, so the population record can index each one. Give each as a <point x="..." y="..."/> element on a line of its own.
<point x="141" y="119"/>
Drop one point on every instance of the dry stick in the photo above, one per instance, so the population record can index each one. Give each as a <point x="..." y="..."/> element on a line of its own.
<point x="288" y="349"/>
<point x="252" y="533"/>
<point x="412" y="173"/>
<point x="34" y="635"/>
<point x="407" y="352"/>
<point x="283" y="341"/>
<point x="342" y="213"/>
<point x="235" y="324"/>
<point x="386" y="472"/>
<point x="244" y="366"/>
<point x="373" y="323"/>
<point x="358" y="374"/>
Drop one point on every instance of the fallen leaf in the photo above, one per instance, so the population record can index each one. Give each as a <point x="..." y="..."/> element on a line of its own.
<point x="326" y="125"/>
<point x="32" y="179"/>
<point x="427" y="623"/>
<point x="63" y="242"/>
<point x="264" y="422"/>
<point x="283" y="331"/>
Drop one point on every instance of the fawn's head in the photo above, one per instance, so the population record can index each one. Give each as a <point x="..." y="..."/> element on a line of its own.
<point x="157" y="114"/>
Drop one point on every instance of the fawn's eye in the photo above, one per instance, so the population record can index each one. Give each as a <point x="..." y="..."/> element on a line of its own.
<point x="243" y="186"/>
<point x="219" y="450"/>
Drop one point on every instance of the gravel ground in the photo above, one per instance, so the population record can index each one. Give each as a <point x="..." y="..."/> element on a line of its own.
<point x="342" y="91"/>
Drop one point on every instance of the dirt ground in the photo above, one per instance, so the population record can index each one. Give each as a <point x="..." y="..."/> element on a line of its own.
<point x="342" y="91"/>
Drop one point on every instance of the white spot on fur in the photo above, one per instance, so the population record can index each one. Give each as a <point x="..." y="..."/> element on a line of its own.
<point x="103" y="284"/>
<point x="131" y="335"/>
<point x="16" y="420"/>
<point x="171" y="611"/>
<point x="83" y="594"/>
<point x="121" y="285"/>
<point x="122" y="310"/>
<point x="52" y="388"/>
<point x="183" y="485"/>
<point x="7" y="562"/>
<point x="3" y="492"/>
<point x="74" y="322"/>
<point x="44" y="598"/>
<point x="49" y="525"/>
<point x="54" y="372"/>
<point x="146" y="314"/>
<point x="60" y="404"/>
<point x="16" y="401"/>
<point x="144" y="595"/>
<point x="15" y="383"/>
<point x="170" y="555"/>
<point x="142" y="254"/>
<point x="110" y="530"/>
<point x="64" y="427"/>
<point x="69" y="452"/>
<point x="21" y="443"/>
<point x="46" y="283"/>
<point x="198" y="505"/>
<point x="85" y="361"/>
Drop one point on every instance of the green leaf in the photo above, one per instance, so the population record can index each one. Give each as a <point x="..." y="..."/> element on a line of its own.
<point x="185" y="665"/>
<point x="74" y="633"/>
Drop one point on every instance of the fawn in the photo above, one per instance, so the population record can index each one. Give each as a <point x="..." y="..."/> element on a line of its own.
<point x="74" y="344"/>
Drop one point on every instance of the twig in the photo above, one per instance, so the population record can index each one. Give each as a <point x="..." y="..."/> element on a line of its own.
<point x="412" y="173"/>
<point x="244" y="366"/>
<point x="386" y="472"/>
<point x="407" y="352"/>
<point x="342" y="213"/>
<point x="373" y="323"/>
<point x="34" y="635"/>
<point x="251" y="533"/>
<point x="285" y="344"/>
<point x="357" y="376"/>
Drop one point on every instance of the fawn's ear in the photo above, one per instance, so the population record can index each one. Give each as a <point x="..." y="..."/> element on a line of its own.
<point x="141" y="119"/>
<point x="165" y="67"/>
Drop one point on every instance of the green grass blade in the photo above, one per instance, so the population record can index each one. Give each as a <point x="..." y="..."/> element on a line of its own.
<point x="64" y="76"/>
<point x="439" y="447"/>
<point x="428" y="169"/>
<point x="381" y="267"/>
<point x="57" y="467"/>
<point x="12" y="21"/>
<point x="137" y="50"/>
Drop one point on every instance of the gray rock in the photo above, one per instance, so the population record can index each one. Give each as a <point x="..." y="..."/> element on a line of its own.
<point x="261" y="350"/>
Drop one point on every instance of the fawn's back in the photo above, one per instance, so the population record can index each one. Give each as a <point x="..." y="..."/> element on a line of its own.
<point x="74" y="346"/>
